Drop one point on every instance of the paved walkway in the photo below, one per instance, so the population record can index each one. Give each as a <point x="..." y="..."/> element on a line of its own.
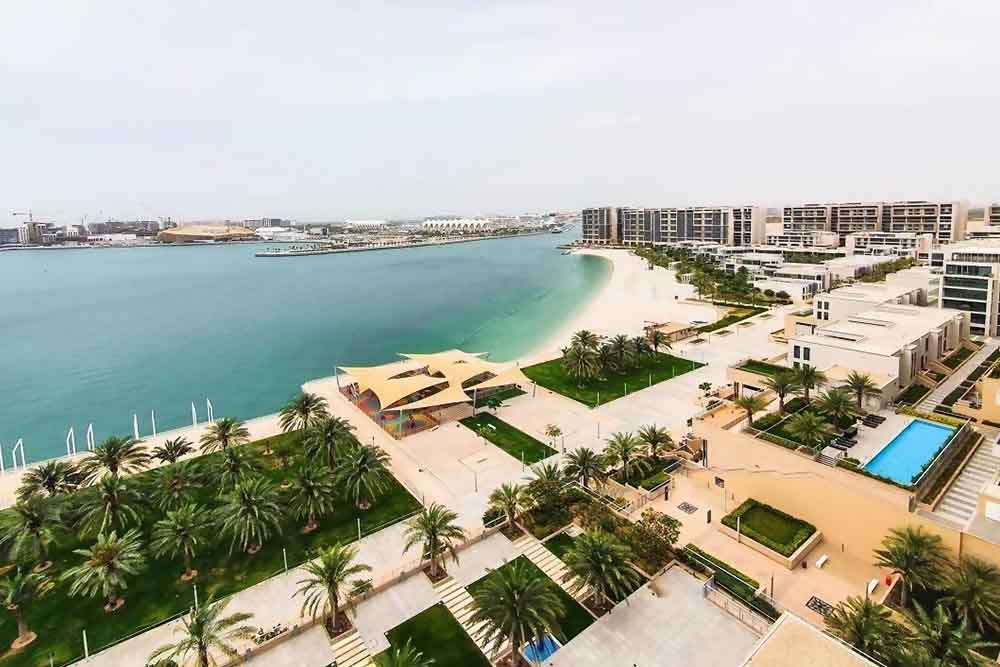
<point x="550" y="564"/>
<point x="951" y="383"/>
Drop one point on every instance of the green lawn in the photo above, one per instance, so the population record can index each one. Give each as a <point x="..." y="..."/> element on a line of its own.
<point x="957" y="357"/>
<point x="913" y="393"/>
<point x="559" y="544"/>
<point x="658" y="367"/>
<point x="769" y="526"/>
<point x="762" y="368"/>
<point x="732" y="317"/>
<point x="435" y="633"/>
<point x="505" y="394"/>
<point x="514" y="441"/>
<point x="576" y="620"/>
<point x="157" y="593"/>
<point x="653" y="476"/>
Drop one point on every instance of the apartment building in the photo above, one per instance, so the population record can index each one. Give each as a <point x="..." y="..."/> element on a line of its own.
<point x="945" y="221"/>
<point x="991" y="216"/>
<point x="803" y="239"/>
<point x="734" y="226"/>
<point x="970" y="281"/>
<point x="601" y="225"/>
<point x="916" y="289"/>
<point x="903" y="244"/>
<point x="749" y="224"/>
<point x="855" y="217"/>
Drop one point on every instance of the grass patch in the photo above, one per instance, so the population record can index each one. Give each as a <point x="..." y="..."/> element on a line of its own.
<point x="656" y="474"/>
<point x="436" y="634"/>
<point x="514" y="441"/>
<point x="157" y="594"/>
<point x="656" y="367"/>
<point x="576" y="620"/>
<point x="762" y="367"/>
<point x="732" y="317"/>
<point x="559" y="544"/>
<point x="505" y="394"/>
<point x="955" y="359"/>
<point x="769" y="526"/>
<point x="913" y="393"/>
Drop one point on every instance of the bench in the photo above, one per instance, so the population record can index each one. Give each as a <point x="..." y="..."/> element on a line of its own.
<point x="822" y="561"/>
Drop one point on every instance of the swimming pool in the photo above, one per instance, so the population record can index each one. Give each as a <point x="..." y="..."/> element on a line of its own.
<point x="904" y="456"/>
<point x="541" y="649"/>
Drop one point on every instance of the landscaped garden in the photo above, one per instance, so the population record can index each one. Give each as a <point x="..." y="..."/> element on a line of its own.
<point x="732" y="317"/>
<point x="514" y="441"/>
<point x="436" y="634"/>
<point x="120" y="536"/>
<point x="559" y="544"/>
<point x="913" y="394"/>
<point x="653" y="475"/>
<point x="955" y="359"/>
<point x="768" y="526"/>
<point x="762" y="367"/>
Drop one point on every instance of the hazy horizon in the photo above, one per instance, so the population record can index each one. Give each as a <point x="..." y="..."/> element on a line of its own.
<point x="314" y="112"/>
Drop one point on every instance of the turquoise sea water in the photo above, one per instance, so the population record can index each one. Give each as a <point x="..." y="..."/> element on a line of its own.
<point x="97" y="335"/>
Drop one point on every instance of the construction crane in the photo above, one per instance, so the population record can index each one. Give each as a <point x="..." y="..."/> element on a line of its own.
<point x="27" y="213"/>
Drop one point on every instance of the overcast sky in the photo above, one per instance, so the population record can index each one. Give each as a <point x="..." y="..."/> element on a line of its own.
<point x="322" y="111"/>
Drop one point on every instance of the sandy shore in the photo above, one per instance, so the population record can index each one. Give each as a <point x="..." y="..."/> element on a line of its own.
<point x="633" y="297"/>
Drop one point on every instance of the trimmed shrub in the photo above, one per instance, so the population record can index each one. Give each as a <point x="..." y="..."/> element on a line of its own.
<point x="756" y="512"/>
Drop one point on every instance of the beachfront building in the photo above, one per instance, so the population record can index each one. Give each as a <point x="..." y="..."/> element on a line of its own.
<point x="917" y="287"/>
<point x="944" y="221"/>
<point x="756" y="263"/>
<point x="600" y="226"/>
<point x="901" y="244"/>
<point x="728" y="225"/>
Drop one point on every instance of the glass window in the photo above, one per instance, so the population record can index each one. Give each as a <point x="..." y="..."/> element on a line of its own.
<point x="796" y="352"/>
<point x="805" y="353"/>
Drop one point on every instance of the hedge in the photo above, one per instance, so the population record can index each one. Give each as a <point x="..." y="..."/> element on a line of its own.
<point x="802" y="529"/>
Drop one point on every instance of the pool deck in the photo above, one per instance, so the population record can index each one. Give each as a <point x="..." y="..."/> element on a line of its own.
<point x="871" y="441"/>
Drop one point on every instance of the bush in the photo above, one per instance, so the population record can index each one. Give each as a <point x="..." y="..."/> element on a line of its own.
<point x="782" y="295"/>
<point x="491" y="515"/>
<point x="766" y="518"/>
<point x="652" y="538"/>
<point x="769" y="293"/>
<point x="795" y="404"/>
<point x="767" y="421"/>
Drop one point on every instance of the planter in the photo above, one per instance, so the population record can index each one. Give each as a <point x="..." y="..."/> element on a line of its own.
<point x="790" y="562"/>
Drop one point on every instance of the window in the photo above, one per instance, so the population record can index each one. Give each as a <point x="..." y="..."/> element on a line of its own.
<point x="795" y="353"/>
<point x="805" y="353"/>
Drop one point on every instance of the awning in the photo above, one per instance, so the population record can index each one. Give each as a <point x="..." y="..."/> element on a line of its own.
<point x="510" y="376"/>
<point x="448" y="396"/>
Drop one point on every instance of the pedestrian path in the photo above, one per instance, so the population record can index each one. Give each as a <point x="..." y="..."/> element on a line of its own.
<point x="960" y="501"/>
<point x="462" y="607"/>
<point x="550" y="564"/>
<point x="349" y="650"/>
<point x="951" y="383"/>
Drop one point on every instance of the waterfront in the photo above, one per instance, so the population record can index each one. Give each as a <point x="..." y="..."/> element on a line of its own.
<point x="98" y="336"/>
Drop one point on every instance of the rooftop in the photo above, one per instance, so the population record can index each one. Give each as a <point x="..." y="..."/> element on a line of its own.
<point x="873" y="293"/>
<point x="885" y="330"/>
<point x="791" y="642"/>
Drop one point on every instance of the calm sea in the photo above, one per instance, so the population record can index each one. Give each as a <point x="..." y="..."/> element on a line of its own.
<point x="93" y="336"/>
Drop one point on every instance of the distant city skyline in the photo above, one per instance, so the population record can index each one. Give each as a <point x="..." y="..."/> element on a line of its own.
<point x="316" y="113"/>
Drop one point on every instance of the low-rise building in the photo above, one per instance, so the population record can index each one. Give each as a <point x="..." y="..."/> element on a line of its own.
<point x="803" y="239"/>
<point x="914" y="287"/>
<point x="902" y="244"/>
<point x="971" y="277"/>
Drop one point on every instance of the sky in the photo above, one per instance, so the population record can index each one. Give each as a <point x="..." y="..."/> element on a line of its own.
<point x="329" y="110"/>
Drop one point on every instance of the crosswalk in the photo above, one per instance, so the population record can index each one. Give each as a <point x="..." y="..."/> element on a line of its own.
<point x="959" y="502"/>
<point x="349" y="650"/>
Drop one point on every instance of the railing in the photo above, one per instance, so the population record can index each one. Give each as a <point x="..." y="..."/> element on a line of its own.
<point x="734" y="607"/>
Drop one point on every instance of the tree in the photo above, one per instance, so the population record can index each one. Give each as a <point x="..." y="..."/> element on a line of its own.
<point x="515" y="605"/>
<point x="655" y="438"/>
<point x="234" y="466"/>
<point x="223" y="434"/>
<point x="783" y="383"/>
<point x="172" y="450"/>
<point x="599" y="562"/>
<point x="493" y="403"/>
<point x="585" y="339"/>
<point x="323" y="589"/>
<point x="942" y="638"/>
<point x="584" y="465"/>
<point x="183" y="532"/>
<point x="511" y="499"/>
<point x="605" y="360"/>
<point x="114" y="456"/>
<point x="204" y="629"/>
<point x="916" y="555"/>
<point x="624" y="451"/>
<point x="405" y="656"/>
<point x="364" y="474"/>
<point x="113" y="505"/>
<point x="653" y="536"/>
<point x="546" y="486"/>
<point x="29" y="528"/>
<point x="623" y="352"/>
<point x="658" y="339"/>
<point x="52" y="478"/>
<point x="809" y="378"/>
<point x="173" y="485"/>
<point x="303" y="411"/>
<point x="580" y="363"/>
<point x="867" y="626"/>
<point x="783" y="295"/>
<point x="436" y="530"/>
<point x="974" y="593"/>
<point x="250" y="514"/>
<point x="552" y="432"/>
<point x="751" y="404"/>
<point x="808" y="427"/>
<point x="311" y="495"/>
<point x="106" y="567"/>
<point x="862" y="386"/>
<point x="17" y="591"/>
<point x="837" y="405"/>
<point x="326" y="439"/>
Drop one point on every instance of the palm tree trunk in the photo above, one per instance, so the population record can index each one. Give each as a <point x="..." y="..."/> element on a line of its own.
<point x="904" y="595"/>
<point x="202" y="655"/>
<point x="336" y="610"/>
<point x="187" y="562"/>
<point x="22" y="627"/>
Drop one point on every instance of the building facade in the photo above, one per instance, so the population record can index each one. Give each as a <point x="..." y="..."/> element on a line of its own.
<point x="734" y="226"/>
<point x="970" y="282"/>
<point x="600" y="226"/>
<point x="946" y="222"/>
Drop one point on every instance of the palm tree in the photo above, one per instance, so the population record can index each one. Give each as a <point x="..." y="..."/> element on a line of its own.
<point x="655" y="438"/>
<point x="605" y="360"/>
<point x="364" y="474"/>
<point x="106" y="567"/>
<point x="751" y="404"/>
<point x="511" y="499"/>
<point x="303" y="411"/>
<point x="405" y="656"/>
<point x="584" y="465"/>
<point x="173" y="485"/>
<point x="205" y="629"/>
<point x="658" y="339"/>
<point x="598" y="562"/>
<point x="114" y="456"/>
<point x="624" y="451"/>
<point x="328" y="575"/>
<point x="867" y="626"/>
<point x="250" y="514"/>
<point x="311" y="495"/>
<point x="171" y="451"/>
<point x="17" y="592"/>
<point x="233" y="467"/>
<point x="52" y="477"/>
<point x="326" y="439"/>
<point x="183" y="532"/>
<point x="945" y="639"/>
<point x="223" y="434"/>
<point x="862" y="386"/>
<point x="623" y="352"/>
<point x="515" y="605"/>
<point x="782" y="383"/>
<point x="916" y="555"/>
<point x="974" y="593"/>
<point x="808" y="427"/>
<point x="113" y="504"/>
<point x="552" y="432"/>
<point x="28" y="529"/>
<point x="585" y="339"/>
<point x="548" y="472"/>
<point x="809" y="378"/>
<point x="837" y="405"/>
<point x="436" y="531"/>
<point x="580" y="363"/>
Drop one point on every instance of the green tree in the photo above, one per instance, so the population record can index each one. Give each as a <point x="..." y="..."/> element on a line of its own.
<point x="114" y="456"/>
<point x="173" y="485"/>
<point x="493" y="403"/>
<point x="585" y="339"/>
<point x="53" y="478"/>
<point x="624" y="451"/>
<point x="363" y="474"/>
<point x="837" y="405"/>
<point x="113" y="505"/>
<point x="809" y="378"/>
<point x="867" y="626"/>
<point x="751" y="404"/>
<point x="405" y="656"/>
<point x="605" y="360"/>
<point x="18" y="591"/>
<point x="974" y="593"/>
<point x="552" y="432"/>
<point x="945" y="639"/>
<point x="205" y="629"/>
<point x="106" y="567"/>
<point x="580" y="363"/>
<point x="862" y="386"/>
<point x="653" y="536"/>
<point x="183" y="532"/>
<point x="783" y="383"/>
<point x="436" y="530"/>
<point x="808" y="427"/>
<point x="515" y="605"/>
<point x="250" y="514"/>
<point x="623" y="352"/>
<point x="658" y="339"/>
<point x="511" y="499"/>
<point x="223" y="434"/>
<point x="916" y="555"/>
<point x="598" y="562"/>
<point x="656" y="438"/>
<point x="585" y="465"/>
<point x="324" y="588"/>
<point x="312" y="494"/>
<point x="29" y="528"/>
<point x="234" y="466"/>
<point x="172" y="450"/>
<point x="303" y="411"/>
<point x="325" y="440"/>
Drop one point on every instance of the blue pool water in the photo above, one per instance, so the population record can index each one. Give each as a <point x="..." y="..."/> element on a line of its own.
<point x="540" y="650"/>
<point x="907" y="453"/>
